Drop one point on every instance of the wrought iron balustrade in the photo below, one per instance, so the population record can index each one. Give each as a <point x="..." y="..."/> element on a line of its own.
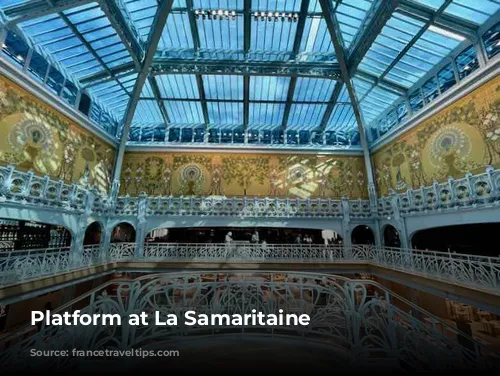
<point x="28" y="188"/>
<point x="472" y="191"/>
<point x="241" y="206"/>
<point x="358" y="317"/>
<point x="468" y="270"/>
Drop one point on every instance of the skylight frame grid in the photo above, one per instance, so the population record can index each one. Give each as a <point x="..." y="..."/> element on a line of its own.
<point x="398" y="32"/>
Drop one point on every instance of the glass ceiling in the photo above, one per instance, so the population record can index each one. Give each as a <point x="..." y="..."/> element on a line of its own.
<point x="263" y="62"/>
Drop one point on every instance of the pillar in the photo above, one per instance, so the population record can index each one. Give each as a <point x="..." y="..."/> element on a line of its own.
<point x="346" y="222"/>
<point x="79" y="231"/>
<point x="399" y="221"/>
<point x="140" y="231"/>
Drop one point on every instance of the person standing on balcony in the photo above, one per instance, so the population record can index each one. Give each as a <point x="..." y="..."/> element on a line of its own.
<point x="255" y="238"/>
<point x="228" y="241"/>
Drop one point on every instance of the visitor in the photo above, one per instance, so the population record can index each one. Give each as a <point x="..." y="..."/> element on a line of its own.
<point x="298" y="239"/>
<point x="228" y="241"/>
<point x="255" y="237"/>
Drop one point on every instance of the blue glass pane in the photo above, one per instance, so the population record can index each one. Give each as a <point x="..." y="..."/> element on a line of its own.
<point x="269" y="88"/>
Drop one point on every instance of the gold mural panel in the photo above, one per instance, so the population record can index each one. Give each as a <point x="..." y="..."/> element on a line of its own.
<point x="35" y="137"/>
<point x="253" y="175"/>
<point x="464" y="137"/>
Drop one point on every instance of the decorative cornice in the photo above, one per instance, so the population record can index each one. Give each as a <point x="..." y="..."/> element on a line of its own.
<point x="241" y="149"/>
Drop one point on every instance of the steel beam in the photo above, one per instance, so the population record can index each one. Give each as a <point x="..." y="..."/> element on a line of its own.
<point x="331" y="106"/>
<point x="211" y="67"/>
<point x="247" y="32"/>
<point x="196" y="44"/>
<point x="332" y="24"/>
<point x="120" y="20"/>
<point x="369" y="31"/>
<point x="157" y="97"/>
<point x="449" y="23"/>
<point x="293" y="81"/>
<point x="159" y="22"/>
<point x="35" y="9"/>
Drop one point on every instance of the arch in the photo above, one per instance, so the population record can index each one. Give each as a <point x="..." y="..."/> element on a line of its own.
<point x="362" y="234"/>
<point x="391" y="237"/>
<point x="27" y="234"/>
<point x="123" y="232"/>
<point x="93" y="234"/>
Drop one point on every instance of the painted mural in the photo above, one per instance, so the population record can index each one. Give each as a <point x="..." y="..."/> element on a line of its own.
<point x="252" y="175"/>
<point x="465" y="137"/>
<point x="35" y="137"/>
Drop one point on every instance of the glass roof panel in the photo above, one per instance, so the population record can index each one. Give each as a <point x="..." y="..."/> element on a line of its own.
<point x="184" y="112"/>
<point x="473" y="10"/>
<point x="305" y="116"/>
<point x="313" y="89"/>
<point x="434" y="4"/>
<point x="225" y="113"/>
<point x="221" y="39"/>
<point x="178" y="86"/>
<point x="316" y="44"/>
<point x="271" y="40"/>
<point x="223" y="87"/>
<point x="176" y="34"/>
<point x="265" y="115"/>
<point x="351" y="15"/>
<point x="147" y="113"/>
<point x="395" y="36"/>
<point x="269" y="88"/>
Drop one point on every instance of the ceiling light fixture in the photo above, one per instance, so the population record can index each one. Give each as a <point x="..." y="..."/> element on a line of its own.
<point x="215" y="14"/>
<point x="275" y="16"/>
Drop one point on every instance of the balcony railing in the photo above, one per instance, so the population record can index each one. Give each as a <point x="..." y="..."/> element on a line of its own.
<point x="358" y="318"/>
<point x="469" y="270"/>
<point x="473" y="191"/>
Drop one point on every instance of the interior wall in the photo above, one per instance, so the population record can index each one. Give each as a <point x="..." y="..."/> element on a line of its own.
<point x="34" y="136"/>
<point x="264" y="175"/>
<point x="464" y="137"/>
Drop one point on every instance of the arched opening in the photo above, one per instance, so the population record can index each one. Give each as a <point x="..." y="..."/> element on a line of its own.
<point x="362" y="235"/>
<point x="93" y="234"/>
<point x="123" y="233"/>
<point x="475" y="239"/>
<point x="18" y="235"/>
<point x="391" y="237"/>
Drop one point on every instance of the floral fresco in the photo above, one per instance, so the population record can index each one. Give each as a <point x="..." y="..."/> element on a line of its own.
<point x="465" y="137"/>
<point x="38" y="138"/>
<point x="252" y="175"/>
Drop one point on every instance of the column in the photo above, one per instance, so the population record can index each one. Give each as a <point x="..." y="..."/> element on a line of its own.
<point x="346" y="223"/>
<point x="399" y="222"/>
<point x="140" y="231"/>
<point x="79" y="232"/>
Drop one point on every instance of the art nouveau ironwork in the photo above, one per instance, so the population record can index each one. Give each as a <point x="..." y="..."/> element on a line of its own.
<point x="357" y="317"/>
